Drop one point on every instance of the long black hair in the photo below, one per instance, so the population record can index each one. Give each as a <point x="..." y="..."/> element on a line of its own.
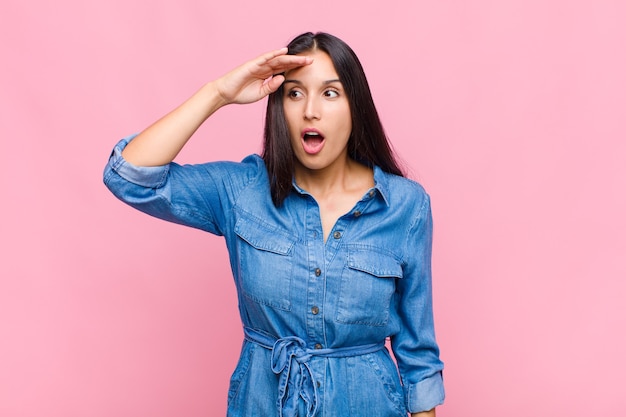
<point x="368" y="143"/>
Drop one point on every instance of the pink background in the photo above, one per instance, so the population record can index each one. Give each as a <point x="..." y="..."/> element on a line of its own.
<point x="511" y="113"/>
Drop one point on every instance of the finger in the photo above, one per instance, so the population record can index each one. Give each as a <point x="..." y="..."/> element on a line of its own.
<point x="275" y="62"/>
<point x="268" y="56"/>
<point x="279" y="58"/>
<point x="274" y="83"/>
<point x="287" y="62"/>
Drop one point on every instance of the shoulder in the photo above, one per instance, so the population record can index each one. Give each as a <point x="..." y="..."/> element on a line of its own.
<point x="251" y="165"/>
<point x="401" y="192"/>
<point x="227" y="179"/>
<point x="248" y="170"/>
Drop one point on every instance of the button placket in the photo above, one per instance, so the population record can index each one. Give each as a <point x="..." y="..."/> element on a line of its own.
<point x="315" y="281"/>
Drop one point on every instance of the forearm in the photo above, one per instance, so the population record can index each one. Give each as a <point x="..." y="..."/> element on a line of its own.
<point x="162" y="141"/>
<point x="430" y="413"/>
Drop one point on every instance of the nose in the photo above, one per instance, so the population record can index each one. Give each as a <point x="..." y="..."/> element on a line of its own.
<point x="311" y="109"/>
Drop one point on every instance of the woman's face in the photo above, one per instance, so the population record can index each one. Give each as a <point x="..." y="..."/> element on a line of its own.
<point x="318" y="115"/>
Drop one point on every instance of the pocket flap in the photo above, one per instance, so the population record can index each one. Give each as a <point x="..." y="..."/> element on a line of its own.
<point x="375" y="263"/>
<point x="263" y="237"/>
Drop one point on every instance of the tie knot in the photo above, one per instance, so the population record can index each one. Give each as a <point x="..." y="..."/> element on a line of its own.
<point x="287" y="349"/>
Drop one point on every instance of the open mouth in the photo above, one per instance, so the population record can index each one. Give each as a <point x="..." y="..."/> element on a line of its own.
<point x="313" y="141"/>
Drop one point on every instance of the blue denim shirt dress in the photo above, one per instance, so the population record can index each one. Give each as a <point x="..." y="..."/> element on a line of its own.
<point x="316" y="314"/>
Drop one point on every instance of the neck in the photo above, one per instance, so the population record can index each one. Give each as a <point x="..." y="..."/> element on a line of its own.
<point x="336" y="179"/>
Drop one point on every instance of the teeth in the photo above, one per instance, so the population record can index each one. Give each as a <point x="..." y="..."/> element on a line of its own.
<point x="312" y="134"/>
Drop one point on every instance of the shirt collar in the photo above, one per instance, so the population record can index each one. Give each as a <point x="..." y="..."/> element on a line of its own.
<point x="381" y="184"/>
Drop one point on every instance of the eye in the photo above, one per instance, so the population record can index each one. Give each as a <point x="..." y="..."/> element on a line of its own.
<point x="331" y="93"/>
<point x="295" y="94"/>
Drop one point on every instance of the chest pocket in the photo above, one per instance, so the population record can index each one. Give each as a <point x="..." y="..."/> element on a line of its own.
<point x="265" y="263"/>
<point x="368" y="282"/>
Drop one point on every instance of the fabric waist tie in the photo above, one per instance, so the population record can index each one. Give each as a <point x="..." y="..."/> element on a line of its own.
<point x="290" y="358"/>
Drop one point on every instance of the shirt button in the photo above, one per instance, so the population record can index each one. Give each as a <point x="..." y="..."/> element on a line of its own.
<point x="319" y="384"/>
<point x="371" y="193"/>
<point x="315" y="310"/>
<point x="318" y="272"/>
<point x="357" y="213"/>
<point x="337" y="235"/>
<point x="318" y="346"/>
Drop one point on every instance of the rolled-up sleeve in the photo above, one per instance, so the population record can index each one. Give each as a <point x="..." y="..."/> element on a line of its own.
<point x="198" y="195"/>
<point x="151" y="177"/>
<point x="414" y="346"/>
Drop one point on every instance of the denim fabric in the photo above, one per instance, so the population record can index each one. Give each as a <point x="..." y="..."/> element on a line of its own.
<point x="369" y="281"/>
<point x="290" y="360"/>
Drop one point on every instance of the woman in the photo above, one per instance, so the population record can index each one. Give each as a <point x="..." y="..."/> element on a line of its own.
<point x="329" y="245"/>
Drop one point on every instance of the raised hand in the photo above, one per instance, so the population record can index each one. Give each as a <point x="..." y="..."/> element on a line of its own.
<point x="258" y="77"/>
<point x="160" y="142"/>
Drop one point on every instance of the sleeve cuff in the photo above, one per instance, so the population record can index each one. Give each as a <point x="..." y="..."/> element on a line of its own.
<point x="150" y="177"/>
<point x="425" y="395"/>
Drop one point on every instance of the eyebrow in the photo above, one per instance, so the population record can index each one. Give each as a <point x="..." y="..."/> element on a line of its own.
<point x="336" y="80"/>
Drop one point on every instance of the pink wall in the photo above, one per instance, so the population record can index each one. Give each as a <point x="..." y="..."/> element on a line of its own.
<point x="511" y="113"/>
